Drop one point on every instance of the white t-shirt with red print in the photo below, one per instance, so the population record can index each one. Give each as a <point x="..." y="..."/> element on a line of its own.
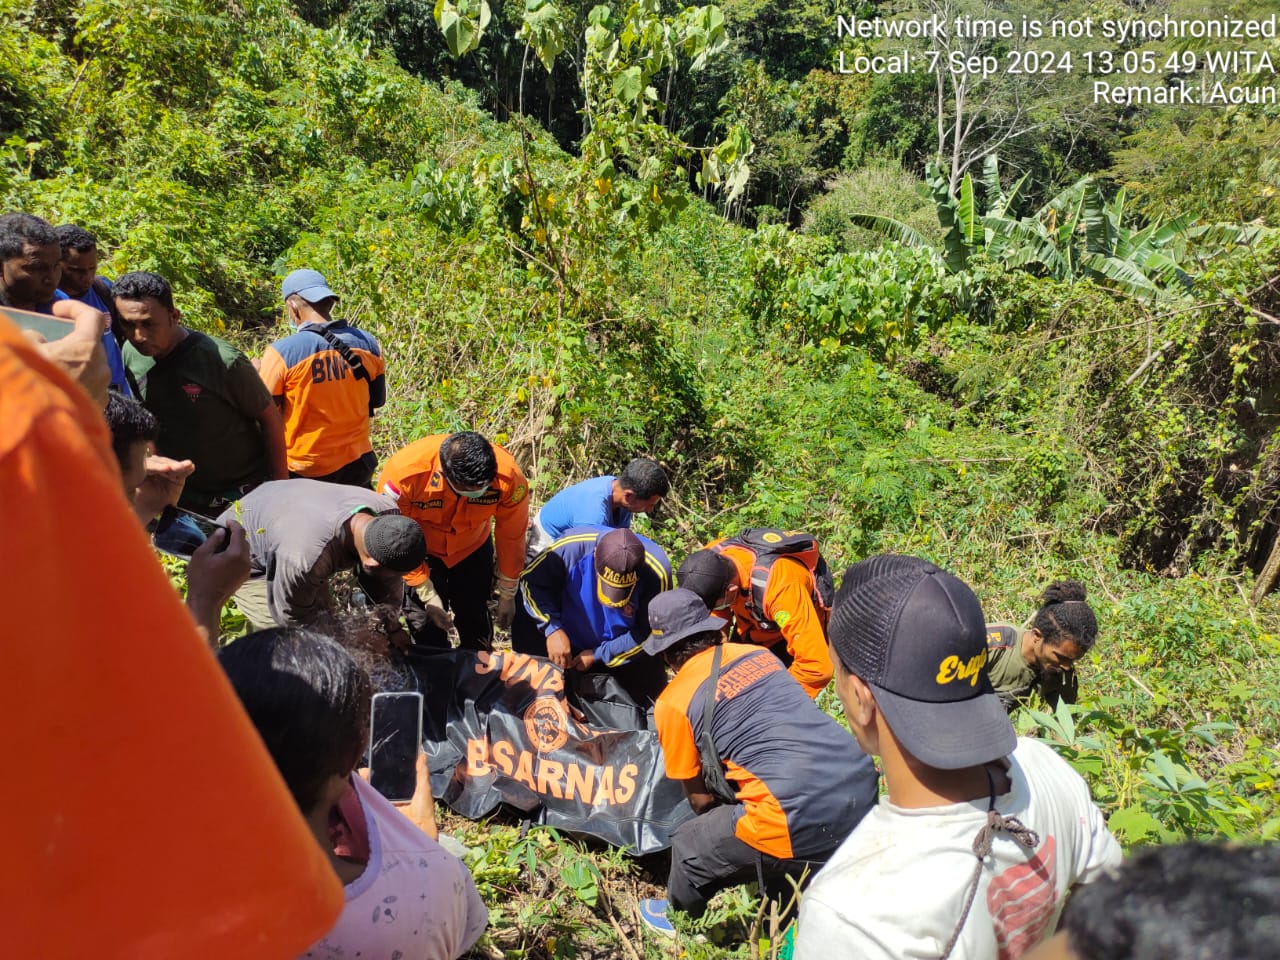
<point x="896" y="887"/>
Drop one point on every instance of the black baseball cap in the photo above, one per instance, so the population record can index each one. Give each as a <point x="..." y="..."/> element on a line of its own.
<point x="916" y="635"/>
<point x="708" y="574"/>
<point x="674" y="615"/>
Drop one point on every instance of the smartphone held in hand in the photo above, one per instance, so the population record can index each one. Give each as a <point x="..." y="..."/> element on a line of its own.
<point x="181" y="532"/>
<point x="49" y="327"/>
<point x="395" y="740"/>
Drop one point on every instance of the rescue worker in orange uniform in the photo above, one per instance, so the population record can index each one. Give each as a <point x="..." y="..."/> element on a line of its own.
<point x="765" y="770"/>
<point x="327" y="377"/>
<point x="472" y="501"/>
<point x="795" y="629"/>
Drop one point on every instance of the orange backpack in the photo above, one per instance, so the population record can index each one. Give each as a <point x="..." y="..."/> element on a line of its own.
<point x="766" y="545"/>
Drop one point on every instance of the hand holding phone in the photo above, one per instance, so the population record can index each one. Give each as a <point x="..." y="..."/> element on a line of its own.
<point x="218" y="568"/>
<point x="47" y="328"/>
<point x="72" y="340"/>
<point x="395" y="740"/>
<point x="181" y="532"/>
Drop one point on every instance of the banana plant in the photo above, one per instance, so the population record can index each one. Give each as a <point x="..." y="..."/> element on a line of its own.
<point x="1078" y="233"/>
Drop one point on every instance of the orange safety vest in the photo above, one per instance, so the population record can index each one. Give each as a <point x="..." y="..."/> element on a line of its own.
<point x="780" y="601"/>
<point x="455" y="527"/>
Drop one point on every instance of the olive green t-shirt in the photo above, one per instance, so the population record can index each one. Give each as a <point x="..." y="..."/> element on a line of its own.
<point x="207" y="397"/>
<point x="1014" y="679"/>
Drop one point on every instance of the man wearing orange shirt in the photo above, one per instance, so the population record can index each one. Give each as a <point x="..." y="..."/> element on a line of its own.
<point x="776" y="783"/>
<point x="789" y="622"/>
<point x="327" y="378"/>
<point x="472" y="501"/>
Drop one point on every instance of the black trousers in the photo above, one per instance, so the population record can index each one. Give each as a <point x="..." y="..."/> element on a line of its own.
<point x="357" y="473"/>
<point x="465" y="588"/>
<point x="706" y="857"/>
<point x="525" y="635"/>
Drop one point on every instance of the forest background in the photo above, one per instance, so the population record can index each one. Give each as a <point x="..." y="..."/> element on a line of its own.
<point x="984" y="320"/>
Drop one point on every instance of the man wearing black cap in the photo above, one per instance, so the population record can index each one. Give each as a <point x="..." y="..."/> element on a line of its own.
<point x="302" y="532"/>
<point x="777" y="783"/>
<point x="786" y="620"/>
<point x="327" y="378"/>
<point x="585" y="603"/>
<point x="982" y="835"/>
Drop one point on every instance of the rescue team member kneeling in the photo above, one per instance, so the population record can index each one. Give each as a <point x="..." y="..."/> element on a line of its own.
<point x="799" y="782"/>
<point x="586" y="604"/>
<point x="792" y="625"/>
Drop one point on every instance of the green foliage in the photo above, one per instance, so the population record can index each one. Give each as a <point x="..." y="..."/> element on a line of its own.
<point x="895" y="122"/>
<point x="571" y="884"/>
<point x="783" y="155"/>
<point x="546" y="32"/>
<point x="1145" y="779"/>
<point x="884" y="298"/>
<point x="1218" y="165"/>
<point x="33" y="78"/>
<point x="789" y="37"/>
<point x="210" y="182"/>
<point x="167" y="52"/>
<point x="883" y="187"/>
<point x="462" y="24"/>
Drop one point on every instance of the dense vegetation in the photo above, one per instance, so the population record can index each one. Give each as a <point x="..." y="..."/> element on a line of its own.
<point x="1038" y="376"/>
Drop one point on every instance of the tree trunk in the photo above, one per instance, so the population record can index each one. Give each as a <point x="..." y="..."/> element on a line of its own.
<point x="1267" y="578"/>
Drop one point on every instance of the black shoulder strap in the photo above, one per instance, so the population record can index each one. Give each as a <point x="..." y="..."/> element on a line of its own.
<point x="712" y="768"/>
<point x="709" y="697"/>
<point x="345" y="351"/>
<point x="351" y="357"/>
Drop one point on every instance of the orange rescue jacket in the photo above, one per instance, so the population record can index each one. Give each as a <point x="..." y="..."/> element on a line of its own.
<point x="788" y="602"/>
<point x="454" y="526"/>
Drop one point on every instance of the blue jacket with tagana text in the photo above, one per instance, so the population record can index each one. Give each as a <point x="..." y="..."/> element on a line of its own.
<point x="559" y="592"/>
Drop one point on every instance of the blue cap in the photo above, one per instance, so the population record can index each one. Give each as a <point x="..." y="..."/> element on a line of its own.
<point x="675" y="615"/>
<point x="310" y="285"/>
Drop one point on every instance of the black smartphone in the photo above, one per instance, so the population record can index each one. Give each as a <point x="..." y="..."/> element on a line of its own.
<point x="181" y="532"/>
<point x="395" y="740"/>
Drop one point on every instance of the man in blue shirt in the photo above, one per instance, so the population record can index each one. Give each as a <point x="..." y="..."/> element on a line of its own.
<point x="601" y="501"/>
<point x="586" y="604"/>
<point x="31" y="268"/>
<point x="80" y="281"/>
